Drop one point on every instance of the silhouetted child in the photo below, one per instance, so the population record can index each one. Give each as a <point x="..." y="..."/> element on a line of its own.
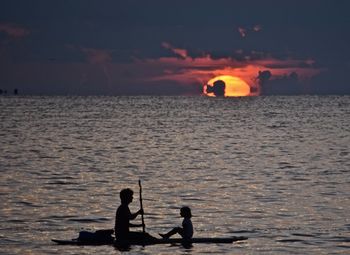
<point x="123" y="216"/>
<point x="187" y="228"/>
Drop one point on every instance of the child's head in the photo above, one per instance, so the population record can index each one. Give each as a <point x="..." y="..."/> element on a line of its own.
<point x="185" y="212"/>
<point x="126" y="196"/>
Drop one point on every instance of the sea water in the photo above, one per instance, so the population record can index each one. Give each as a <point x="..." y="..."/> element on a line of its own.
<point x="274" y="169"/>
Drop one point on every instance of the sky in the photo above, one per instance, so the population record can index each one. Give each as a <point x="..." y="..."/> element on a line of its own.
<point x="166" y="47"/>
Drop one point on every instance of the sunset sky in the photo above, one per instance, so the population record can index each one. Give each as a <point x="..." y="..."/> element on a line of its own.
<point x="165" y="47"/>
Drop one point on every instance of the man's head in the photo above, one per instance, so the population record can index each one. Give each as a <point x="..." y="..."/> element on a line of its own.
<point x="126" y="196"/>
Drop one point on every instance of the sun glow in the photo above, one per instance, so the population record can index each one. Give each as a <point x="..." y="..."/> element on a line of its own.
<point x="234" y="86"/>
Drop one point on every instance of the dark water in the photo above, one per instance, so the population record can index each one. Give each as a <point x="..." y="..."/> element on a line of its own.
<point x="275" y="169"/>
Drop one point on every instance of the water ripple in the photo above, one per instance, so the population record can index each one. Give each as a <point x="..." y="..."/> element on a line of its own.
<point x="275" y="169"/>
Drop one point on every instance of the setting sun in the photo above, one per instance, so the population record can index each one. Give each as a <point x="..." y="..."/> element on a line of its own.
<point x="233" y="86"/>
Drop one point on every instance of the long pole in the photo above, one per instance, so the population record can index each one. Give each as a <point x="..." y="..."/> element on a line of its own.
<point x="143" y="220"/>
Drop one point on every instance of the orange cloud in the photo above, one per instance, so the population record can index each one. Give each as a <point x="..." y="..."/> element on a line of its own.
<point x="188" y="70"/>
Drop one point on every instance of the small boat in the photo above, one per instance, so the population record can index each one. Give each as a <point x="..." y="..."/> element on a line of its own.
<point x="151" y="241"/>
<point x="104" y="237"/>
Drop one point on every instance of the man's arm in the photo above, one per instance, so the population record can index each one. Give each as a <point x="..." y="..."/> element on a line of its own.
<point x="134" y="215"/>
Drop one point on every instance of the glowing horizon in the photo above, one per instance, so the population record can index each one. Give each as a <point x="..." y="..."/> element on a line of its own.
<point x="234" y="86"/>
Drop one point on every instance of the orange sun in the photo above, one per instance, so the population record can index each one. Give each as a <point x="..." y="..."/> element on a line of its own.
<point x="234" y="86"/>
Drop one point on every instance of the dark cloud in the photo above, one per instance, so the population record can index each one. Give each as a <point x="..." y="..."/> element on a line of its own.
<point x="96" y="43"/>
<point x="327" y="82"/>
<point x="331" y="82"/>
<point x="285" y="85"/>
<point x="218" y="88"/>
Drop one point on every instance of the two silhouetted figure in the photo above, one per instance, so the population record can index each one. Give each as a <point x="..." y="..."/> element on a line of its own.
<point x="123" y="217"/>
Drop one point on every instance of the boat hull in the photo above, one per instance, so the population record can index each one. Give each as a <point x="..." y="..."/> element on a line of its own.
<point x="151" y="242"/>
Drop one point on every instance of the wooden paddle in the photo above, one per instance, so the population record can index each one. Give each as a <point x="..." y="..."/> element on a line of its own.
<point x="143" y="220"/>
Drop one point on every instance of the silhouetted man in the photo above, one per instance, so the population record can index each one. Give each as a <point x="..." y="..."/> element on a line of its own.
<point x="123" y="215"/>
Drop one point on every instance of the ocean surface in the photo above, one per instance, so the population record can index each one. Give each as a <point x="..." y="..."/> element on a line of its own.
<point x="274" y="169"/>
